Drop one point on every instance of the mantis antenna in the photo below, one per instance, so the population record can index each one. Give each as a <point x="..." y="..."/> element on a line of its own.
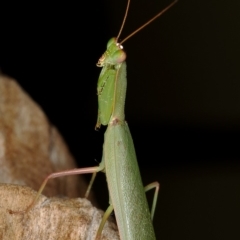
<point x="144" y="25"/>
<point x="124" y="20"/>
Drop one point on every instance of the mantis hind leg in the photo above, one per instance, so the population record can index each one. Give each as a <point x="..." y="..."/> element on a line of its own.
<point x="104" y="219"/>
<point x="150" y="186"/>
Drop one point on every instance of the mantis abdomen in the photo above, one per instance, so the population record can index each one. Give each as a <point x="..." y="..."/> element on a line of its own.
<point x="126" y="189"/>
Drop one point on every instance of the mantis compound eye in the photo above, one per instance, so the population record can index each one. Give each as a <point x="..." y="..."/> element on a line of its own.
<point x="119" y="56"/>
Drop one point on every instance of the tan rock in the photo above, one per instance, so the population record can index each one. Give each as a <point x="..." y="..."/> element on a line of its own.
<point x="30" y="147"/>
<point x="61" y="219"/>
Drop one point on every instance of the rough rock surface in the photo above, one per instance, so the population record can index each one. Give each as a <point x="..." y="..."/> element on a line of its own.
<point x="51" y="218"/>
<point x="30" y="147"/>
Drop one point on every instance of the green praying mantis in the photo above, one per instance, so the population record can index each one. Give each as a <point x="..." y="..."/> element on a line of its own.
<point x="119" y="162"/>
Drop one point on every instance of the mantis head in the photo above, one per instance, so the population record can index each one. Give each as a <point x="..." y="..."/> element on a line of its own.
<point x="113" y="55"/>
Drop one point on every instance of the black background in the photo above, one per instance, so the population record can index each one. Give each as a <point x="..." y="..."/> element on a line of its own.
<point x="182" y="100"/>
